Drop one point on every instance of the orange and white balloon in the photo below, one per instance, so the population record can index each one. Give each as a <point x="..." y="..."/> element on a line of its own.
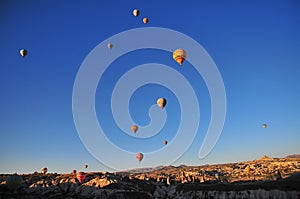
<point x="145" y="20"/>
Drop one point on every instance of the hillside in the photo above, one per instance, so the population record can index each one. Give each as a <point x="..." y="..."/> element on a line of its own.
<point x="293" y="156"/>
<point x="261" y="178"/>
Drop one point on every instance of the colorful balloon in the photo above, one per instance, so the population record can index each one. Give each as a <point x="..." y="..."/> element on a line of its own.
<point x="264" y="126"/>
<point x="165" y="142"/>
<point x="134" y="128"/>
<point x="44" y="170"/>
<point x="161" y="102"/>
<point x="139" y="157"/>
<point x="80" y="176"/>
<point x="135" y="12"/>
<point x="179" y="56"/>
<point x="23" y="52"/>
<point x="145" y="20"/>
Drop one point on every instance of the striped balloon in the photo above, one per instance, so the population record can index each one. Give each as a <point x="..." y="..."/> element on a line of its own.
<point x="179" y="56"/>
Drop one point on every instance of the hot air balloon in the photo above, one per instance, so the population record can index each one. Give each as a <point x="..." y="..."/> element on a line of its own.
<point x="161" y="102"/>
<point x="134" y="128"/>
<point x="139" y="157"/>
<point x="179" y="56"/>
<point x="109" y="45"/>
<point x="135" y="12"/>
<point x="44" y="170"/>
<point x="165" y="142"/>
<point x="73" y="172"/>
<point x="85" y="166"/>
<point x="14" y="181"/>
<point x="23" y="52"/>
<point x="145" y="20"/>
<point x="80" y="176"/>
<point x="264" y="126"/>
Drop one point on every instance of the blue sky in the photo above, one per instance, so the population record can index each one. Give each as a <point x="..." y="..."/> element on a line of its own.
<point x="255" y="45"/>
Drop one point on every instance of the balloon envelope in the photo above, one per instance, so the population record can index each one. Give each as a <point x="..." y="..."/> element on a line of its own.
<point x="44" y="170"/>
<point x="145" y="20"/>
<point x="179" y="56"/>
<point x="23" y="52"/>
<point x="264" y="125"/>
<point x="134" y="128"/>
<point x="80" y="176"/>
<point x="165" y="142"/>
<point x="139" y="157"/>
<point x="135" y="12"/>
<point x="109" y="45"/>
<point x="161" y="102"/>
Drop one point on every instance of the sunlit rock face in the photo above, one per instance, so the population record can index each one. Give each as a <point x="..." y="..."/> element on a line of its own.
<point x="264" y="178"/>
<point x="251" y="194"/>
<point x="101" y="187"/>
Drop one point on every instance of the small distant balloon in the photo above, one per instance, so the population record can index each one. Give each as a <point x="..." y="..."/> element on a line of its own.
<point x="165" y="142"/>
<point x="264" y="126"/>
<point x="73" y="172"/>
<point x="179" y="56"/>
<point x="161" y="102"/>
<point x="139" y="157"/>
<point x="44" y="170"/>
<point x="109" y="45"/>
<point x="135" y="12"/>
<point x="145" y="20"/>
<point x="23" y="52"/>
<point x="134" y="128"/>
<point x="80" y="176"/>
<point x="85" y="166"/>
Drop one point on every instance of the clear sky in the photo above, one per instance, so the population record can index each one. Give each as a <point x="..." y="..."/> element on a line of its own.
<point x="254" y="44"/>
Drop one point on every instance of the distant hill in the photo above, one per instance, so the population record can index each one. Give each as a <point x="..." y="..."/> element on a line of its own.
<point x="142" y="170"/>
<point x="170" y="168"/>
<point x="155" y="169"/>
<point x="265" y="157"/>
<point x="293" y="156"/>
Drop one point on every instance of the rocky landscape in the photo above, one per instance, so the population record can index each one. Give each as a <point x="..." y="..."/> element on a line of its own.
<point x="262" y="178"/>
